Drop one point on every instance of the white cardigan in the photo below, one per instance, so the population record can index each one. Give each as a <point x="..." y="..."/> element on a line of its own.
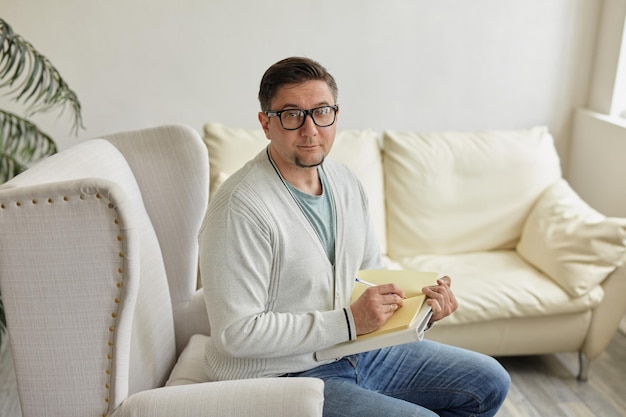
<point x="272" y="295"/>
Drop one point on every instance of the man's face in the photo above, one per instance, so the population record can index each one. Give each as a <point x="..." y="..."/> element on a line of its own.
<point x="307" y="146"/>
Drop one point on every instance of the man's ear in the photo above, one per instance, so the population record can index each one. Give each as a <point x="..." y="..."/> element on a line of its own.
<point x="264" y="119"/>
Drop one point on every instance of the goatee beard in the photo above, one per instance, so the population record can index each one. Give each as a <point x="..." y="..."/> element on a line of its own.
<point x="301" y="165"/>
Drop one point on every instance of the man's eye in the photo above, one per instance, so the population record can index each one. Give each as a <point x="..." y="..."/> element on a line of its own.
<point x="292" y="114"/>
<point x="322" y="111"/>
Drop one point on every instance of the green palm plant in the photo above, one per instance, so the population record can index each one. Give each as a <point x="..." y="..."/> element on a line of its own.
<point x="34" y="82"/>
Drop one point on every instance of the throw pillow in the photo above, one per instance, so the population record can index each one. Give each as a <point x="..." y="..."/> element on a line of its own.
<point x="571" y="242"/>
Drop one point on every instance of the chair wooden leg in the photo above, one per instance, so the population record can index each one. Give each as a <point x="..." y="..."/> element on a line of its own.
<point x="583" y="367"/>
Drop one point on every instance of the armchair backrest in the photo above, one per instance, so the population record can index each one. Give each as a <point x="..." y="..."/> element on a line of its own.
<point x="98" y="248"/>
<point x="171" y="167"/>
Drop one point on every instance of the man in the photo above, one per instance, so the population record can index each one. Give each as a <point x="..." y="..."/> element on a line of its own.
<point x="281" y="243"/>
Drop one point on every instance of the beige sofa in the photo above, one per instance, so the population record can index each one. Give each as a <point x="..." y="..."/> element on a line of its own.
<point x="535" y="269"/>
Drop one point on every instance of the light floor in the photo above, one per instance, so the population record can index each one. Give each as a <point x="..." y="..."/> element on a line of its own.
<point x="542" y="385"/>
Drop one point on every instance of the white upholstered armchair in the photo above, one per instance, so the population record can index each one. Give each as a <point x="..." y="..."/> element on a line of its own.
<point x="98" y="267"/>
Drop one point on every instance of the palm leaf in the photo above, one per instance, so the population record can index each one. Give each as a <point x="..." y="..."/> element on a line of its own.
<point x="36" y="83"/>
<point x="21" y="144"/>
<point x="31" y="77"/>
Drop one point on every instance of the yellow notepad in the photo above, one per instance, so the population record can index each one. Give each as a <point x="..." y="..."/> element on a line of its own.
<point x="411" y="282"/>
<point x="406" y="325"/>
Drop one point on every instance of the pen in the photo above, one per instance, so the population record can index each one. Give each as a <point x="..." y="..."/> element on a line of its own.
<point x="369" y="284"/>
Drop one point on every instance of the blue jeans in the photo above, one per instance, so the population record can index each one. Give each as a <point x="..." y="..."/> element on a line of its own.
<point x="421" y="379"/>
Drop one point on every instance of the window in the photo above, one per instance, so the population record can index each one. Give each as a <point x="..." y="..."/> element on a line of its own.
<point x="619" y="94"/>
<point x="608" y="87"/>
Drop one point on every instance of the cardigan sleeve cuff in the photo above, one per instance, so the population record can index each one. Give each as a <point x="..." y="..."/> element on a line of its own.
<point x="350" y="323"/>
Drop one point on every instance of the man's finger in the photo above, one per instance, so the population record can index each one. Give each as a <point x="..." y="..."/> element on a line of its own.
<point x="445" y="280"/>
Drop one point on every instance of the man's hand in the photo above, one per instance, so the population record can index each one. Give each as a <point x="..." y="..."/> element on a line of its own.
<point x="441" y="299"/>
<point x="375" y="306"/>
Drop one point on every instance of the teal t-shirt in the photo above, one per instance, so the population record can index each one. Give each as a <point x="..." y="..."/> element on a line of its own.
<point x="320" y="210"/>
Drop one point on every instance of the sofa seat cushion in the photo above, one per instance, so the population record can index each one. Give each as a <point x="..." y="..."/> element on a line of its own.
<point x="500" y="285"/>
<point x="456" y="192"/>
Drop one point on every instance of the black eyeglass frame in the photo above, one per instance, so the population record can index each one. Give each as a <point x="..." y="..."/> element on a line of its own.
<point x="309" y="112"/>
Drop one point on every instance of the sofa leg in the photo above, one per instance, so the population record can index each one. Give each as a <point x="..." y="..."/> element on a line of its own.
<point x="583" y="367"/>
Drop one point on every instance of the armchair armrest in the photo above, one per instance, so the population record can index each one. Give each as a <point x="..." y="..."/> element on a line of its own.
<point x="265" y="397"/>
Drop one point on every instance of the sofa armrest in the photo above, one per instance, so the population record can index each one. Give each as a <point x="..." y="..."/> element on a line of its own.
<point x="265" y="397"/>
<point x="606" y="316"/>
<point x="571" y="242"/>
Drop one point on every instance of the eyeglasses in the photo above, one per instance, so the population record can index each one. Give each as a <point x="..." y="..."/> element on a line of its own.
<point x="292" y="119"/>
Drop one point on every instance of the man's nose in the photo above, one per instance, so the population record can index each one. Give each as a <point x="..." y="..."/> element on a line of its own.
<point x="309" y="128"/>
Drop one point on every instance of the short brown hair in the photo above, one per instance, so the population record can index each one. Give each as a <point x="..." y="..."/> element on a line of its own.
<point x="293" y="70"/>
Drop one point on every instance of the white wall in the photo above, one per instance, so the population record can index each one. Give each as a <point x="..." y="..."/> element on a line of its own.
<point x="597" y="168"/>
<point x="598" y="142"/>
<point x="400" y="64"/>
<point x="607" y="70"/>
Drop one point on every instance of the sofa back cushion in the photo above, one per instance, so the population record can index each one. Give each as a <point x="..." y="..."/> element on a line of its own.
<point x="230" y="148"/>
<point x="463" y="192"/>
